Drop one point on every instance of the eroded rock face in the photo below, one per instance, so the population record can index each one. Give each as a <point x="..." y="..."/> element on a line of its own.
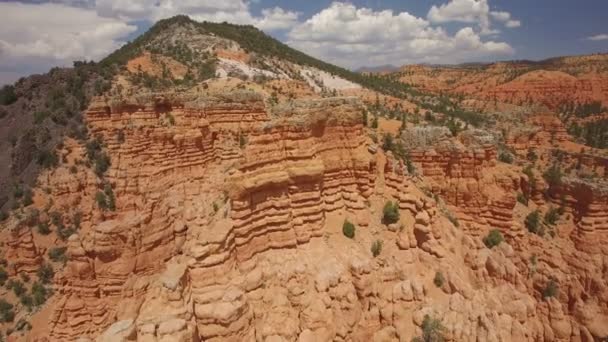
<point x="465" y="174"/>
<point x="219" y="239"/>
<point x="21" y="250"/>
<point x="551" y="83"/>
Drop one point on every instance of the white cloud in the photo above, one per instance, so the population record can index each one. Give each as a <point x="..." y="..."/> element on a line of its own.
<point x="277" y="19"/>
<point x="598" y="37"/>
<point x="505" y="17"/>
<point x="501" y="16"/>
<point x="234" y="11"/>
<point x="351" y="36"/>
<point x="513" y="23"/>
<point x="471" y="11"/>
<point x="57" y="32"/>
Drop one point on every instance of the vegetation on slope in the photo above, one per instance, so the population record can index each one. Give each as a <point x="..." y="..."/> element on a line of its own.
<point x="252" y="39"/>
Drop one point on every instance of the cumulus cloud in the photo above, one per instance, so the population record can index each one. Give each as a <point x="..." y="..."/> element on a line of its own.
<point x="277" y="19"/>
<point x="471" y="11"/>
<point x="234" y="11"/>
<point x="505" y="17"/>
<point x="55" y="34"/>
<point x="351" y="36"/>
<point x="598" y="37"/>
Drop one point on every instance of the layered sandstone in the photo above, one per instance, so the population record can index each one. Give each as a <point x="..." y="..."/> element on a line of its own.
<point x="21" y="250"/>
<point x="465" y="175"/>
<point x="551" y="83"/>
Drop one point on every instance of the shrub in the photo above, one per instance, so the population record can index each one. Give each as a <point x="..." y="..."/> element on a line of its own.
<point x="47" y="159"/>
<point x="376" y="248"/>
<point x="551" y="216"/>
<point x="101" y="200"/>
<point x="57" y="254"/>
<point x="494" y="238"/>
<point x="43" y="228"/>
<point x="390" y="213"/>
<point x="375" y="122"/>
<point x="242" y="140"/>
<point x="531" y="155"/>
<point x="551" y="289"/>
<point x="7" y="95"/>
<point x="102" y="164"/>
<point x="171" y="119"/>
<point x="27" y="301"/>
<point x="553" y="175"/>
<point x="97" y="157"/>
<point x="28" y="197"/>
<point x="432" y="330"/>
<point x="453" y="126"/>
<point x="387" y="142"/>
<point x="533" y="222"/>
<point x="6" y="311"/>
<point x="3" y="215"/>
<point x="505" y="157"/>
<point x="56" y="218"/>
<point x="411" y="169"/>
<point x="64" y="233"/>
<point x="348" y="229"/>
<point x="18" y="288"/>
<point x="110" y="199"/>
<point x="3" y="276"/>
<point x="45" y="273"/>
<point x="39" y="294"/>
<point x="521" y="198"/>
<point x="439" y="279"/>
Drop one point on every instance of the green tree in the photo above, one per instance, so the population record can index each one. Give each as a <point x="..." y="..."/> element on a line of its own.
<point x="39" y="294"/>
<point x="533" y="223"/>
<point x="552" y="215"/>
<point x="46" y="273"/>
<point x="6" y="311"/>
<point x="387" y="142"/>
<point x="432" y="330"/>
<point x="390" y="213"/>
<point x="7" y="95"/>
<point x="505" y="157"/>
<point x="376" y="248"/>
<point x="553" y="175"/>
<point x="3" y="276"/>
<point x="375" y="122"/>
<point x="494" y="238"/>
<point x="439" y="279"/>
<point x="348" y="229"/>
<point x="57" y="254"/>
<point x="18" y="288"/>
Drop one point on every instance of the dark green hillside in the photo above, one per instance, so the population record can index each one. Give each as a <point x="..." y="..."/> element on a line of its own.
<point x="253" y="40"/>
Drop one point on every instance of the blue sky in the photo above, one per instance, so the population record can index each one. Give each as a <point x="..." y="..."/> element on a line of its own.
<point x="36" y="35"/>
